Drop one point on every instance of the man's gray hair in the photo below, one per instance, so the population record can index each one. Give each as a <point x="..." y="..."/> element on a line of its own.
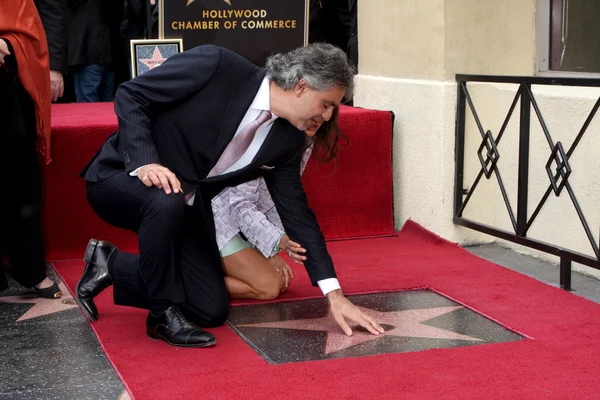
<point x="322" y="65"/>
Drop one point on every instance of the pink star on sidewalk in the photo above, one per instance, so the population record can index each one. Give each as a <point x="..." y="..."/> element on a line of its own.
<point x="407" y="323"/>
<point x="156" y="59"/>
<point x="42" y="306"/>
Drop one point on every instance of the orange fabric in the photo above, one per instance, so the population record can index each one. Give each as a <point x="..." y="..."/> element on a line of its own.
<point x="20" y="23"/>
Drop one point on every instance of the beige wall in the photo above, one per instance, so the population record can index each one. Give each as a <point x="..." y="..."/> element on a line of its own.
<point x="490" y="37"/>
<point x="435" y="39"/>
<point x="401" y="38"/>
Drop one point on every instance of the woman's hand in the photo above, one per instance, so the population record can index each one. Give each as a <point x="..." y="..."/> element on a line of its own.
<point x="3" y="51"/>
<point x="283" y="270"/>
<point x="294" y="250"/>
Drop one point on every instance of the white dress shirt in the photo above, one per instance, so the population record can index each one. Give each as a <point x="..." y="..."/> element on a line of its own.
<point x="261" y="102"/>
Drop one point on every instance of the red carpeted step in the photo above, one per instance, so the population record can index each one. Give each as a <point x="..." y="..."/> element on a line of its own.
<point x="353" y="197"/>
<point x="354" y="200"/>
<point x="558" y="361"/>
<point x="78" y="132"/>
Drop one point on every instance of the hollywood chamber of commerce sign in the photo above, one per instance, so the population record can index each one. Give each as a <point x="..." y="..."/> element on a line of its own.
<point x="253" y="28"/>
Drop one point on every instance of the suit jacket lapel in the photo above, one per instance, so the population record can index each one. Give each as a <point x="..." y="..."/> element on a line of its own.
<point x="259" y="158"/>
<point x="273" y="144"/>
<point x="262" y="156"/>
<point x="241" y="99"/>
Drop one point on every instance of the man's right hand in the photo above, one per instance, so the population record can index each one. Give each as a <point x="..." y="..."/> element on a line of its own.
<point x="159" y="176"/>
<point x="341" y="309"/>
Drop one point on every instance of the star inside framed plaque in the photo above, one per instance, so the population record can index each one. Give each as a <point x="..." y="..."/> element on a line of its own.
<point x="147" y="54"/>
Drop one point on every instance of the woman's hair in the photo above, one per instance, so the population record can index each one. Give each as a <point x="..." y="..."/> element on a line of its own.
<point x="329" y="139"/>
<point x="322" y="65"/>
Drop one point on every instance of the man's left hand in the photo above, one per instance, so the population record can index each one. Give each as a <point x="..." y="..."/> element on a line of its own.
<point x="341" y="308"/>
<point x="57" y="84"/>
<point x="3" y="51"/>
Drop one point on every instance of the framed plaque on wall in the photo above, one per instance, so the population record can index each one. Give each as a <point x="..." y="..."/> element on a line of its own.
<point x="147" y="54"/>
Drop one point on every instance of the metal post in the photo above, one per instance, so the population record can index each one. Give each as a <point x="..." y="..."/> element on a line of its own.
<point x="565" y="273"/>
<point x="523" y="161"/>
<point x="148" y="20"/>
<point x="459" y="149"/>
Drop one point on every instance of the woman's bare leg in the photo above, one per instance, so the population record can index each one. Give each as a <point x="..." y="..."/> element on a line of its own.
<point x="250" y="276"/>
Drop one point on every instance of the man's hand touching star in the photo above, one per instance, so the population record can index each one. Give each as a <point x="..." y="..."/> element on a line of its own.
<point x="342" y="309"/>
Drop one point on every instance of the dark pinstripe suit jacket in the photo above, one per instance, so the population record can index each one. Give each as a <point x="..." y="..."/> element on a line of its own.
<point x="184" y="113"/>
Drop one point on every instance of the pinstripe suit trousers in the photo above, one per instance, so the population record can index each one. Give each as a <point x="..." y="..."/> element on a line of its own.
<point x="179" y="262"/>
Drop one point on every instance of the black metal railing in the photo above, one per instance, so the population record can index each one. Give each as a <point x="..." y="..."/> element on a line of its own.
<point x="558" y="167"/>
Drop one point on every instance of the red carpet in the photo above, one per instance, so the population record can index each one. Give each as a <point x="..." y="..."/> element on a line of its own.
<point x="355" y="200"/>
<point x="559" y="361"/>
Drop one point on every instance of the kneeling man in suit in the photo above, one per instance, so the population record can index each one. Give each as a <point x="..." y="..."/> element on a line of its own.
<point x="204" y="120"/>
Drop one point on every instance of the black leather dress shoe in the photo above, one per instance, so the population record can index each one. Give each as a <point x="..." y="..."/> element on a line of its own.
<point x="172" y="327"/>
<point x="95" y="276"/>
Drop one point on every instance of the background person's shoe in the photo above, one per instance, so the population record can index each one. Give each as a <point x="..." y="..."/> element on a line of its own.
<point x="50" y="292"/>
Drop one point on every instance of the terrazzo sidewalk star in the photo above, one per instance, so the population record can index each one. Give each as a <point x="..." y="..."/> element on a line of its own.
<point x="407" y="323"/>
<point x="413" y="320"/>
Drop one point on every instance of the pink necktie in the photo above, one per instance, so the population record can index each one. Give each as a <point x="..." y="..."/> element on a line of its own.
<point x="239" y="144"/>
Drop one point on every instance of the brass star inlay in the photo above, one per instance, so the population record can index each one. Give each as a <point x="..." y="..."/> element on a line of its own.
<point x="191" y="1"/>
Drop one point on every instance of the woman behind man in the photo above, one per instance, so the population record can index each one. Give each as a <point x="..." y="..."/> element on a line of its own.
<point x="253" y="269"/>
<point x="25" y="100"/>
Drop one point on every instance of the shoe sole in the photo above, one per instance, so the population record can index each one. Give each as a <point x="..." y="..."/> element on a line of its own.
<point x="156" y="336"/>
<point x="89" y="253"/>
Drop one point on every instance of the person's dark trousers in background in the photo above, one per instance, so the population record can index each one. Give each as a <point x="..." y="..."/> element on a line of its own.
<point x="353" y="41"/>
<point x="94" y="47"/>
<point x="21" y="239"/>
<point x="94" y="83"/>
<point x="330" y="22"/>
<point x="20" y="209"/>
<point x="134" y="26"/>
